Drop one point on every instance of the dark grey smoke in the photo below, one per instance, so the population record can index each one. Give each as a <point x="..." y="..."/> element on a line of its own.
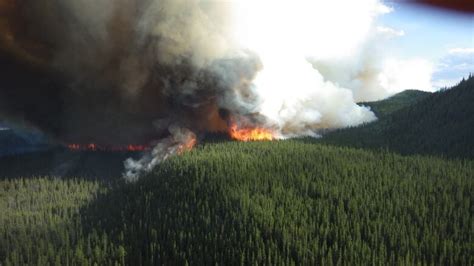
<point x="109" y="71"/>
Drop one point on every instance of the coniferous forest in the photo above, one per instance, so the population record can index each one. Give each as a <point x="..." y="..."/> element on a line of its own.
<point x="271" y="203"/>
<point x="333" y="201"/>
<point x="441" y="124"/>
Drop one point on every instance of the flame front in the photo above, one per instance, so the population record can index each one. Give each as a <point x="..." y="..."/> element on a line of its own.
<point x="188" y="145"/>
<point x="96" y="147"/>
<point x="251" y="134"/>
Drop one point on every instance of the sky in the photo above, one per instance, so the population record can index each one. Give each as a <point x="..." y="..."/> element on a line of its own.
<point x="444" y="38"/>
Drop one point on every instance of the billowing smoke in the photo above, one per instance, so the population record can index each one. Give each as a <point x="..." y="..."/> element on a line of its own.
<point x="133" y="71"/>
<point x="180" y="140"/>
<point x="109" y="68"/>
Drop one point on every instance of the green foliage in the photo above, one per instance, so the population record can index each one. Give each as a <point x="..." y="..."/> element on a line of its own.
<point x="274" y="203"/>
<point x="439" y="124"/>
<point x="39" y="220"/>
<point x="398" y="101"/>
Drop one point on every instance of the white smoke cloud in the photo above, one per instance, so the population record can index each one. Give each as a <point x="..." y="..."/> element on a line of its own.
<point x="399" y="75"/>
<point x="180" y="140"/>
<point x="344" y="46"/>
<point x="305" y="104"/>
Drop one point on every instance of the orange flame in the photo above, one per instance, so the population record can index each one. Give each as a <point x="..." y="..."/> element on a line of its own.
<point x="251" y="134"/>
<point x="189" y="145"/>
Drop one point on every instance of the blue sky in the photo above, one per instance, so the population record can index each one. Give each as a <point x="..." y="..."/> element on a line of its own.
<point x="444" y="38"/>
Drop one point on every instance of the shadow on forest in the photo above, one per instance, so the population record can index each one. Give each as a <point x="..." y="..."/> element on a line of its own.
<point x="165" y="216"/>
<point x="66" y="164"/>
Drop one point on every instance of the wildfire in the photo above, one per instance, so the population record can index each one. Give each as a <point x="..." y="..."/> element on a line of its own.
<point x="251" y="134"/>
<point x="96" y="147"/>
<point x="187" y="146"/>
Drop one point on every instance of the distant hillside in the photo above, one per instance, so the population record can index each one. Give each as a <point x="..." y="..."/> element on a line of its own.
<point x="396" y="102"/>
<point x="440" y="123"/>
<point x="17" y="141"/>
<point x="60" y="162"/>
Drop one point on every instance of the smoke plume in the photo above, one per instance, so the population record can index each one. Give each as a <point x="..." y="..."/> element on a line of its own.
<point x="134" y="71"/>
<point x="181" y="140"/>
